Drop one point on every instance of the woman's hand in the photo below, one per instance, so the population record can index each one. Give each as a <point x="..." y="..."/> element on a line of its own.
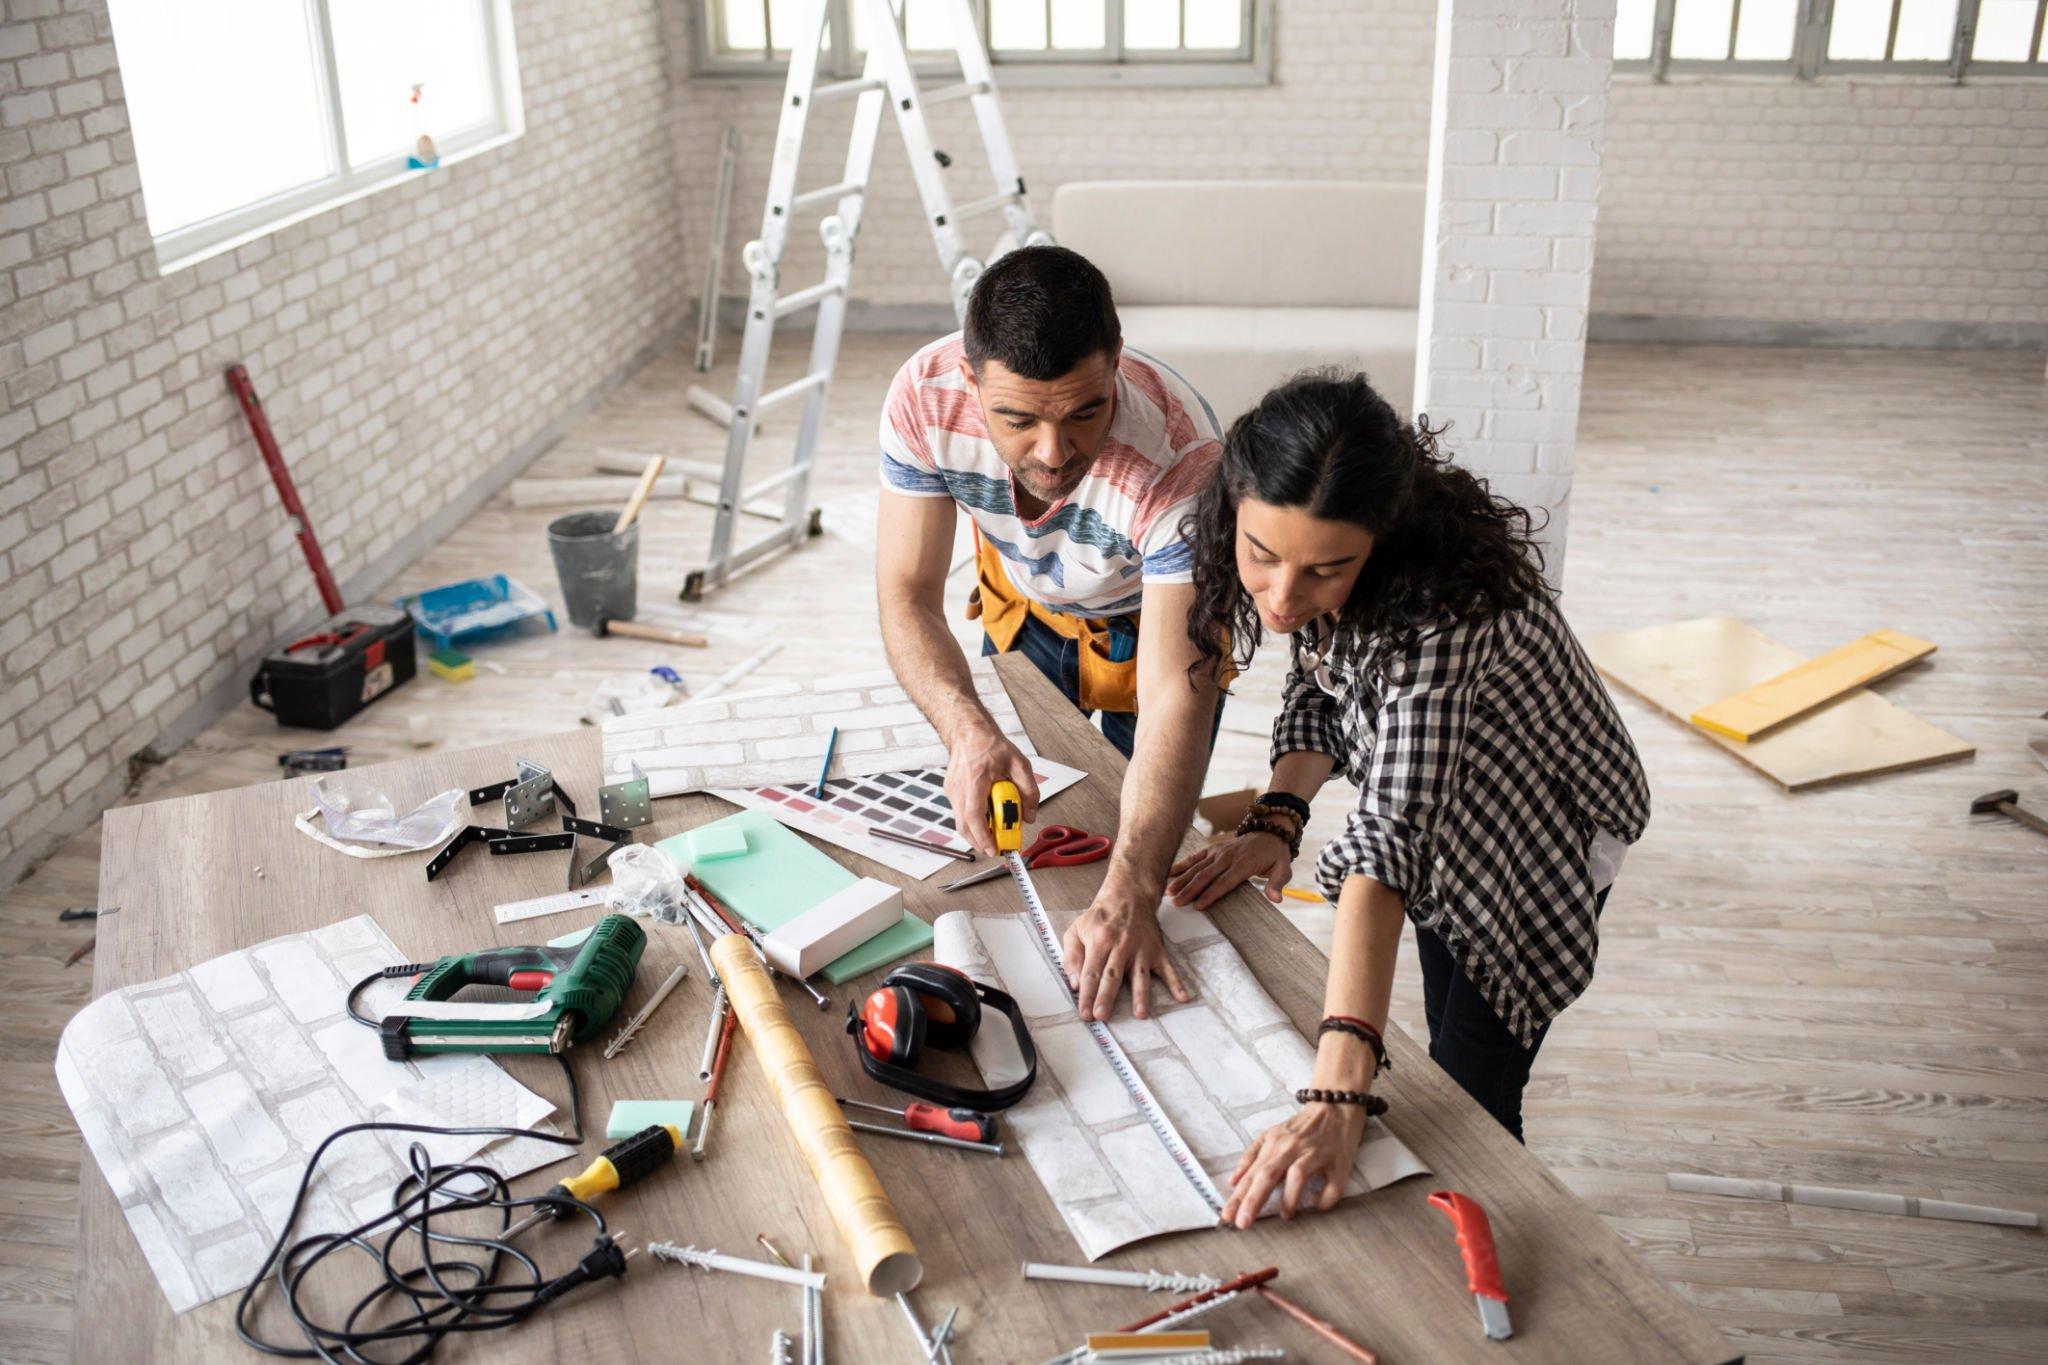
<point x="1317" y="1144"/>
<point x="1201" y="879"/>
<point x="1115" y="939"/>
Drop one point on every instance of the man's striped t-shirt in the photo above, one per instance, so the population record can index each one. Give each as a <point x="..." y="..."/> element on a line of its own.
<point x="1092" y="552"/>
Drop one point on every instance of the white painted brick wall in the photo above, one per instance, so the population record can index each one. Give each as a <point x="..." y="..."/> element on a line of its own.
<point x="403" y="344"/>
<point x="1838" y="200"/>
<point x="1514" y="169"/>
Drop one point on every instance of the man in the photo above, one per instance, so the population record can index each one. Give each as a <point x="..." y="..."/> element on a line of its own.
<point x="1076" y="460"/>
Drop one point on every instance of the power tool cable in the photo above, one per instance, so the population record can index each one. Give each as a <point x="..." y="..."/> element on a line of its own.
<point x="446" y="1293"/>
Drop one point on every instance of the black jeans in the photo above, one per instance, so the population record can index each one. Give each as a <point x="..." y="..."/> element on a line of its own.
<point x="1468" y="1040"/>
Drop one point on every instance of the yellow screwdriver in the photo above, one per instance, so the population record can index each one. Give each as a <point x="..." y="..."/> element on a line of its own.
<point x="622" y="1163"/>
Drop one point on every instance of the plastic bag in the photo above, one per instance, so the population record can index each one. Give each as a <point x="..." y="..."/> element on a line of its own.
<point x="366" y="816"/>
<point x="625" y="694"/>
<point x="646" y="882"/>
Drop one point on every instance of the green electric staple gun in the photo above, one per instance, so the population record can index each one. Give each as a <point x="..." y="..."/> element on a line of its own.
<point x="576" y="992"/>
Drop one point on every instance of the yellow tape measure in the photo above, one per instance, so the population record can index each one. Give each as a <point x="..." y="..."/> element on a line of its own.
<point x="1006" y="816"/>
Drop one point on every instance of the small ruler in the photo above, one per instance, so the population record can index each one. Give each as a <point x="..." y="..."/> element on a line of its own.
<point x="548" y="905"/>
<point x="1141" y="1094"/>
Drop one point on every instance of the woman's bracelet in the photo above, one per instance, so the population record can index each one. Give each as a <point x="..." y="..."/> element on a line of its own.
<point x="1364" y="1032"/>
<point x="1373" y="1105"/>
<point x="1255" y="823"/>
<point x="1283" y="801"/>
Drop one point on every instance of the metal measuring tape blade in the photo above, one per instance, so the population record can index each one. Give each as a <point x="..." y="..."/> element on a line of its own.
<point x="1112" y="1051"/>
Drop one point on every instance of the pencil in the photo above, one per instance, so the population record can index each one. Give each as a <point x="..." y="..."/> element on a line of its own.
<point x="877" y="832"/>
<point x="826" y="766"/>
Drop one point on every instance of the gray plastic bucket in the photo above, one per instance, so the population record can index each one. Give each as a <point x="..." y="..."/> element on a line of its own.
<point x="599" y="572"/>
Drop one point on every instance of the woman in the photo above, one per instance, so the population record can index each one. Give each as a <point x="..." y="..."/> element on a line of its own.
<point x="1497" y="786"/>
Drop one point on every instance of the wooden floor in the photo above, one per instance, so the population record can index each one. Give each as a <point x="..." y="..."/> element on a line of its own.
<point x="1845" y="987"/>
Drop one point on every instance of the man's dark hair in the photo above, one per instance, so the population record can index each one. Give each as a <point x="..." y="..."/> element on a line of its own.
<point x="1040" y="310"/>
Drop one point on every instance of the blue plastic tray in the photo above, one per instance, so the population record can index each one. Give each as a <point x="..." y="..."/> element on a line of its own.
<point x="476" y="609"/>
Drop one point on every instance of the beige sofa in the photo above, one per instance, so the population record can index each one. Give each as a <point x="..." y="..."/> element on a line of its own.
<point x="1239" y="283"/>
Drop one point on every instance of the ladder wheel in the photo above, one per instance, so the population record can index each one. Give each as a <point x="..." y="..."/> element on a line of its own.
<point x="693" y="587"/>
<point x="817" y="524"/>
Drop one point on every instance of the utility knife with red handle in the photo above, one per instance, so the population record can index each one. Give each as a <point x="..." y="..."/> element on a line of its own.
<point x="1482" y="1267"/>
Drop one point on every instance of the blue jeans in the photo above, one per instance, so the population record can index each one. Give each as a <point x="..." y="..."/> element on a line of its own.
<point x="1468" y="1040"/>
<point x="1059" y="659"/>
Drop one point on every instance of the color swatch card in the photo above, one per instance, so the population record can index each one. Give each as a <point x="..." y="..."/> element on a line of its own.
<point x="911" y="803"/>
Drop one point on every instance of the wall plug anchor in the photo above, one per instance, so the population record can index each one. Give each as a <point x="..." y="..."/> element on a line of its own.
<point x="737" y="1265"/>
<point x="1193" y="1311"/>
<point x="646" y="1011"/>
<point x="1152" y="1281"/>
<point x="778" y="1348"/>
<point x="1229" y="1355"/>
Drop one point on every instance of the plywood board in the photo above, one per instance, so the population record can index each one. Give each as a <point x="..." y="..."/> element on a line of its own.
<point x="1687" y="665"/>
<point x="1811" y="685"/>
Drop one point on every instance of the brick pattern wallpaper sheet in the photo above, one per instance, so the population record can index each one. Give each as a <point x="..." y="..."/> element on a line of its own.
<point x="202" y="1096"/>
<point x="1225" y="1067"/>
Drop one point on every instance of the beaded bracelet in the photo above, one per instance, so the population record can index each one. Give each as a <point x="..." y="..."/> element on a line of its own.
<point x="1255" y="823"/>
<point x="1374" y="1106"/>
<point x="1364" y="1032"/>
<point x="1283" y="801"/>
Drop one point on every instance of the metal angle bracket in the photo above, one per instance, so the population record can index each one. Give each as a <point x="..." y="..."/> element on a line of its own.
<point x="467" y="835"/>
<point x="627" y="805"/>
<point x="528" y="769"/>
<point x="595" y="829"/>
<point x="582" y="873"/>
<point x="529" y="801"/>
<point x="531" y="843"/>
<point x="481" y="795"/>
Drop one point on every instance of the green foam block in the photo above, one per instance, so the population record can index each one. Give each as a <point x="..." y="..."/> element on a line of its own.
<point x="630" y="1116"/>
<point x="780" y="877"/>
<point x="714" y="843"/>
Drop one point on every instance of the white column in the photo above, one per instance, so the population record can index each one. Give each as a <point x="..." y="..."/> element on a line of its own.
<point x="1518" y="116"/>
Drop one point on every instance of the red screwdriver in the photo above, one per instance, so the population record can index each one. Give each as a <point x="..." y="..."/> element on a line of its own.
<point x="963" y="1125"/>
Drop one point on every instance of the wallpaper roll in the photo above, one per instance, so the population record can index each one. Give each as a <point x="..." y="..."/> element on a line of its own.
<point x="867" y="1220"/>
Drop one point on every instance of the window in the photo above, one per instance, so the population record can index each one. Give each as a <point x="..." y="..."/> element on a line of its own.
<point x="1038" y="41"/>
<point x="1807" y="38"/>
<point x="251" y="114"/>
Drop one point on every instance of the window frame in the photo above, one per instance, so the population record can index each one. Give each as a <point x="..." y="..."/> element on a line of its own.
<point x="1809" y="59"/>
<point x="196" y="242"/>
<point x="1250" y="63"/>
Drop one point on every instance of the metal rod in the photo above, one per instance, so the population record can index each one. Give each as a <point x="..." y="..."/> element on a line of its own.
<point x="988" y="204"/>
<point x="937" y="1139"/>
<point x="946" y="94"/>
<point x="924" y="1338"/>
<point x="796" y="388"/>
<point x="824" y="194"/>
<point x="719" y="1006"/>
<point x="796" y="303"/>
<point x="839" y="90"/>
<point x="703" y="1129"/>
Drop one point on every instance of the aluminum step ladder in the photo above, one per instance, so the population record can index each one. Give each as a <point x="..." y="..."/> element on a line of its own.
<point x="887" y="75"/>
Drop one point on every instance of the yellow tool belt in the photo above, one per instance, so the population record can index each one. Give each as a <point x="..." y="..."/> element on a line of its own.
<point x="1107" y="683"/>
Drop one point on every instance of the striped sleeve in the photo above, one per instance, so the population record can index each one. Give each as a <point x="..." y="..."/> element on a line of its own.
<point x="1417" y="760"/>
<point x="907" y="463"/>
<point x="1169" y="556"/>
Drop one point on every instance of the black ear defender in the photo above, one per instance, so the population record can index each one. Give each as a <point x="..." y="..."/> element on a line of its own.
<point x="921" y="1005"/>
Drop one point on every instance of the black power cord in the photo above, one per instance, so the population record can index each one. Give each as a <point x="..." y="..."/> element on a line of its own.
<point x="445" y="1293"/>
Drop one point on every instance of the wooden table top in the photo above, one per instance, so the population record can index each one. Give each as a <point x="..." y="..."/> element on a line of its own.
<point x="1383" y="1266"/>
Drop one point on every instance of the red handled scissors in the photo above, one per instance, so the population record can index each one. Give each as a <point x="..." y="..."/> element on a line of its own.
<point x="1055" y="846"/>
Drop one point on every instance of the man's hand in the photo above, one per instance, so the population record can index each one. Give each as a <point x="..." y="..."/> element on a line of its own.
<point x="1201" y="879"/>
<point x="1115" y="940"/>
<point x="974" y="764"/>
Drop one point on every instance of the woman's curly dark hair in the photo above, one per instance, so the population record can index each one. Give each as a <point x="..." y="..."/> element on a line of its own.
<point x="1326" y="442"/>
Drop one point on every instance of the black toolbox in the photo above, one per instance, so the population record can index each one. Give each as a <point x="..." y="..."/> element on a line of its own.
<point x="319" y="681"/>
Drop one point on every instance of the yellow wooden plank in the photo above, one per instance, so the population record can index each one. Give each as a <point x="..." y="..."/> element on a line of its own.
<point x="1684" y="666"/>
<point x="1814" y="683"/>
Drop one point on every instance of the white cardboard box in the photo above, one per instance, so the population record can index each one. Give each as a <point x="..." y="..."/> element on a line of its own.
<point x="834" y="926"/>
